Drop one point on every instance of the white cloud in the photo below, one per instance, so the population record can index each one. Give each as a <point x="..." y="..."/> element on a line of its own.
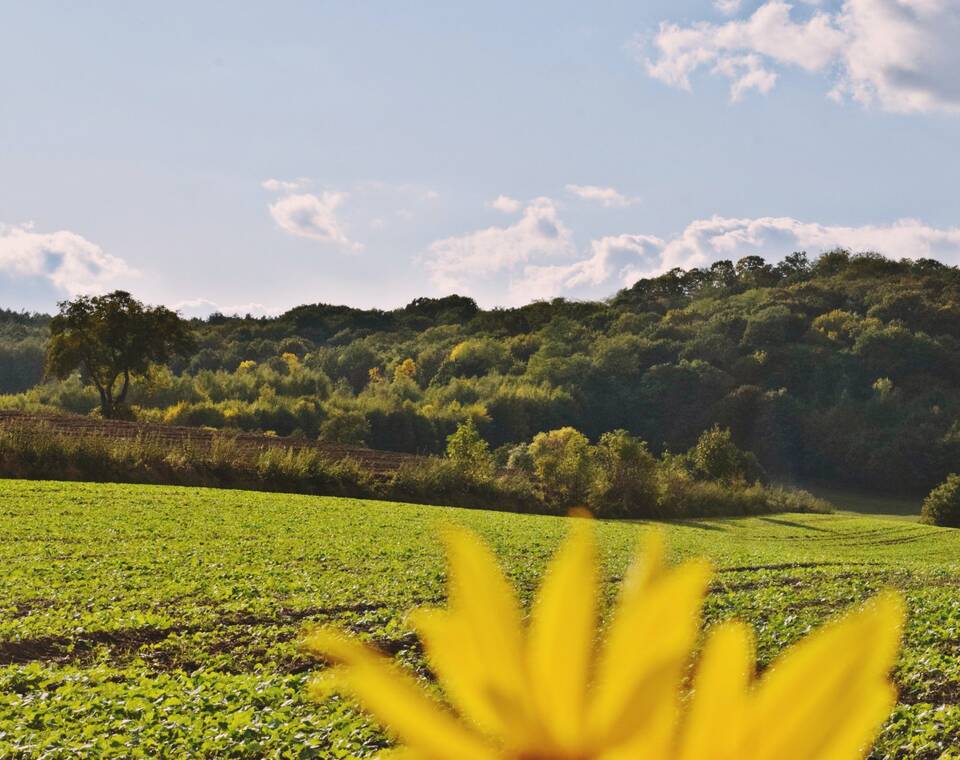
<point x="506" y="204"/>
<point x="466" y="263"/>
<point x="517" y="261"/>
<point x="898" y="54"/>
<point x="902" y="54"/>
<point x="614" y="262"/>
<point x="285" y="186"/>
<point x="201" y="308"/>
<point x="746" y="72"/>
<point x="70" y="262"/>
<point x="312" y="216"/>
<point x="707" y="240"/>
<point x="606" y="196"/>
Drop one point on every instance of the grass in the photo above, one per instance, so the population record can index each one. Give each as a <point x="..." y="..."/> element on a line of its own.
<point x="155" y="620"/>
<point x="868" y="504"/>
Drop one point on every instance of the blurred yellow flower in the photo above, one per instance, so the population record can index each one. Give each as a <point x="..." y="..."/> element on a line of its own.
<point x="548" y="691"/>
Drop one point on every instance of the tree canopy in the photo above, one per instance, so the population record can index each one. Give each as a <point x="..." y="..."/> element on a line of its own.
<point x="111" y="339"/>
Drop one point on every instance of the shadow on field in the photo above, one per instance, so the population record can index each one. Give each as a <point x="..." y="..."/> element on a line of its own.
<point x="793" y="524"/>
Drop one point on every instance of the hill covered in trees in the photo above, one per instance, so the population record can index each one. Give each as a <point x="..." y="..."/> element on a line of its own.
<point x="843" y="369"/>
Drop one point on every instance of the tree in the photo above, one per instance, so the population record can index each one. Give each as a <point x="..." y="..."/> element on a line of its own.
<point x="469" y="452"/>
<point x="112" y="339"/>
<point x="563" y="464"/>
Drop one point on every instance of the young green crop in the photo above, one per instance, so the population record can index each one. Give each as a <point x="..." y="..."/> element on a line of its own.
<point x="143" y="620"/>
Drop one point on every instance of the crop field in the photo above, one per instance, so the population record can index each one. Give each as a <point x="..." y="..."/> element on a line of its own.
<point x="146" y="620"/>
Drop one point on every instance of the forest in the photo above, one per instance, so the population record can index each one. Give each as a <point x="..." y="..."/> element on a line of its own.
<point x="842" y="369"/>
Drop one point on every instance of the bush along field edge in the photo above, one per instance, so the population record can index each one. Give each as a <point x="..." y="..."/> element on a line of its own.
<point x="556" y="471"/>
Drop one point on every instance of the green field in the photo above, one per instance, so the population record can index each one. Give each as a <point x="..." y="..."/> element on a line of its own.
<point x="143" y="620"/>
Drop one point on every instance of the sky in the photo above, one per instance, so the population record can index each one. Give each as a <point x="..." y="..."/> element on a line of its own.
<point x="250" y="157"/>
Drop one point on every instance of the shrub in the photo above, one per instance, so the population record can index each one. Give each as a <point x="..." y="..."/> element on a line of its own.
<point x="682" y="496"/>
<point x="439" y="481"/>
<point x="625" y="481"/>
<point x="519" y="459"/>
<point x="716" y="457"/>
<point x="347" y="427"/>
<point x="942" y="505"/>
<point x="563" y="465"/>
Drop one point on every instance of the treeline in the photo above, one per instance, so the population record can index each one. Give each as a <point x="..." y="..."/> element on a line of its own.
<point x="844" y="369"/>
<point x="23" y="346"/>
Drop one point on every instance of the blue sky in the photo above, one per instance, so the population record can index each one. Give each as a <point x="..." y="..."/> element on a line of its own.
<point x="138" y="143"/>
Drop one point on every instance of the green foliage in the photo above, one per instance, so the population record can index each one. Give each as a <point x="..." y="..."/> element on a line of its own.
<point x="786" y="356"/>
<point x="563" y="465"/>
<point x="715" y="456"/>
<point x="345" y="426"/>
<point x="144" y="621"/>
<point x="624" y="483"/>
<point x="441" y="481"/>
<point x="616" y="478"/>
<point x="469" y="453"/>
<point x="112" y="338"/>
<point x="942" y="505"/>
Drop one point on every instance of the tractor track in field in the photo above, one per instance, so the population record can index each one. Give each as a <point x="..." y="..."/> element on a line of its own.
<point x="127" y="641"/>
<point x="375" y="460"/>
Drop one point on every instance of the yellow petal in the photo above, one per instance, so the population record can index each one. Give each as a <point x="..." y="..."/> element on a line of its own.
<point x="647" y="563"/>
<point x="461" y="671"/>
<point x="487" y="614"/>
<point x="561" y="638"/>
<point x="400" y="753"/>
<point x="828" y="695"/>
<point x="397" y="701"/>
<point x="648" y="645"/>
<point x="714" y="722"/>
<point x="487" y="604"/>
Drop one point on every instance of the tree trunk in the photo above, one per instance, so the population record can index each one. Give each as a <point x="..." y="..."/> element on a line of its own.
<point x="106" y="404"/>
<point x="124" y="388"/>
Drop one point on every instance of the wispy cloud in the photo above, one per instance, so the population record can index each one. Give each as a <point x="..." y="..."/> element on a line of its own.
<point x="608" y="197"/>
<point x="285" y="186"/>
<point x="727" y="7"/>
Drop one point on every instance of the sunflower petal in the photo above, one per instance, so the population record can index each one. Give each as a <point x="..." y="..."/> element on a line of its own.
<point x="561" y="638"/>
<point x="396" y="700"/>
<point x="828" y="695"/>
<point x="453" y="656"/>
<point x="488" y="613"/>
<point x="715" y="717"/>
<point x="647" y="647"/>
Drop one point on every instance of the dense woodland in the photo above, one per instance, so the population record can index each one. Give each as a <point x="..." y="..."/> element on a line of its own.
<point x="843" y="369"/>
